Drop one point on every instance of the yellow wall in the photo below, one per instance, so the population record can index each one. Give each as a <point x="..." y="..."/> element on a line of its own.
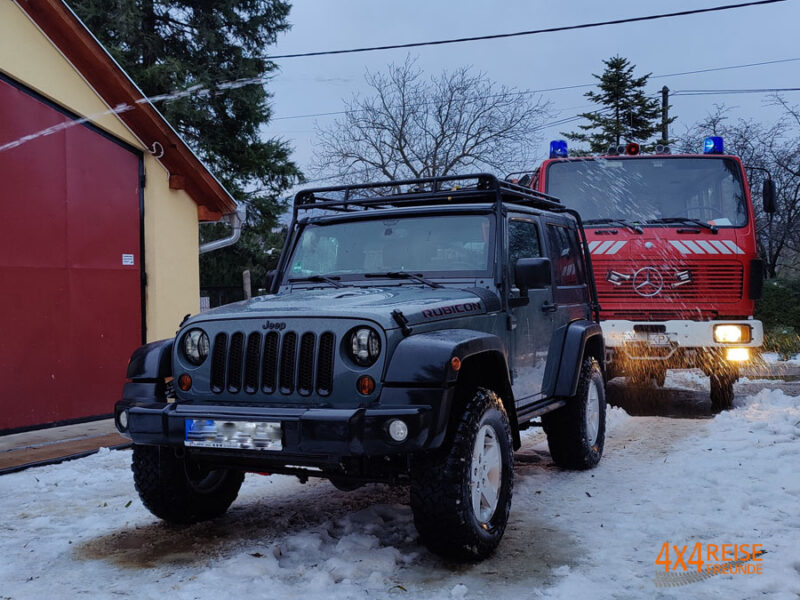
<point x="171" y="237"/>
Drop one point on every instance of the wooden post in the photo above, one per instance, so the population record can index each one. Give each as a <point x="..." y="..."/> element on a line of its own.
<point x="248" y="290"/>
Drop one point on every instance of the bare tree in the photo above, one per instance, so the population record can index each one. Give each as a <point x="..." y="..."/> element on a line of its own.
<point x="764" y="148"/>
<point x="410" y="127"/>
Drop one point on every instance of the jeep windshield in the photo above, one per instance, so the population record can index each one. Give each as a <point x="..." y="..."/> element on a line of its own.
<point x="651" y="190"/>
<point x="452" y="245"/>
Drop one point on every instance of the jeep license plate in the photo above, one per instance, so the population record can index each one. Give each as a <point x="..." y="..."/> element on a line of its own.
<point x="235" y="435"/>
<point x="658" y="339"/>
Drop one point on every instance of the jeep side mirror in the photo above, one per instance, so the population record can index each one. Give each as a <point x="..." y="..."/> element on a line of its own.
<point x="768" y="192"/>
<point x="532" y="273"/>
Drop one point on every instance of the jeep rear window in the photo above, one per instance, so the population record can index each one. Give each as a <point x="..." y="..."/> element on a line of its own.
<point x="430" y="244"/>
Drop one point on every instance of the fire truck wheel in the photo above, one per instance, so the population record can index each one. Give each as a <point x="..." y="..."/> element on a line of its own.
<point x="576" y="432"/>
<point x="721" y="391"/>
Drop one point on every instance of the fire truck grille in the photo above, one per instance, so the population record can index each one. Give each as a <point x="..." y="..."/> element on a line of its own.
<point x="692" y="283"/>
<point x="273" y="364"/>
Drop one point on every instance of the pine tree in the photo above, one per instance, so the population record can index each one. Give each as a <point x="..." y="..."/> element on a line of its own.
<point x="169" y="46"/>
<point x="626" y="113"/>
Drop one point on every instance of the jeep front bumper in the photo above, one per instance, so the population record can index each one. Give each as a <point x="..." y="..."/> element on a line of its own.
<point x="311" y="432"/>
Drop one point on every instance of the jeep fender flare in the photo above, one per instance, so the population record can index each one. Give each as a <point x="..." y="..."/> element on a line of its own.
<point x="426" y="359"/>
<point x="151" y="361"/>
<point x="582" y="338"/>
<point x="149" y="367"/>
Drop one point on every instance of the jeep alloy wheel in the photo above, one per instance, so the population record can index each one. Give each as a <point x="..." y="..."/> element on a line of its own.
<point x="461" y="493"/>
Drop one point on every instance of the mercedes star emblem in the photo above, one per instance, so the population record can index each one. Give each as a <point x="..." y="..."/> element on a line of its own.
<point x="647" y="282"/>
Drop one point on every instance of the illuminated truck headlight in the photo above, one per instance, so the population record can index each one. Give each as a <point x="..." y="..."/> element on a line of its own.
<point x="732" y="334"/>
<point x="195" y="346"/>
<point x="364" y="346"/>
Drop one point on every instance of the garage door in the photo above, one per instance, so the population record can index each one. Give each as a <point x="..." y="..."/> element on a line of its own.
<point x="70" y="263"/>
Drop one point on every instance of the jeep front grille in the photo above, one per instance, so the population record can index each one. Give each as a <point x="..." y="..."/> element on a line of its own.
<point x="273" y="363"/>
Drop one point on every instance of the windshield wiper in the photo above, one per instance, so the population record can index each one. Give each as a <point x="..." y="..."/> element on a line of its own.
<point x="623" y="222"/>
<point x="698" y="222"/>
<point x="405" y="275"/>
<point x="334" y="281"/>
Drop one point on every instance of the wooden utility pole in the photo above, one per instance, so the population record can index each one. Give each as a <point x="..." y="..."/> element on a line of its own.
<point x="665" y="115"/>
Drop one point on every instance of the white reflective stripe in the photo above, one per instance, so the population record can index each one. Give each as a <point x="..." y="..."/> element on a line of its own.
<point x="616" y="247"/>
<point x="681" y="248"/>
<point x="708" y="247"/>
<point x="733" y="246"/>
<point x="694" y="247"/>
<point x="593" y="245"/>
<point x="721" y="247"/>
<point x="603" y="247"/>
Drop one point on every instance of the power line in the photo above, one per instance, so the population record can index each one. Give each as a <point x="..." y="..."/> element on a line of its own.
<point x="682" y="13"/>
<point x="740" y="91"/>
<point x="571" y="87"/>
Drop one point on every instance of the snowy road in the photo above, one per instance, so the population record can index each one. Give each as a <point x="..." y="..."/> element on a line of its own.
<point x="78" y="529"/>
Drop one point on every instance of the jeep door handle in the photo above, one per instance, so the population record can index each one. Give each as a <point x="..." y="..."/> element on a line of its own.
<point x="549" y="307"/>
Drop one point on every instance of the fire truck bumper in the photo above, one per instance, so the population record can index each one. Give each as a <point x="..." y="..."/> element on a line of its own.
<point x="682" y="343"/>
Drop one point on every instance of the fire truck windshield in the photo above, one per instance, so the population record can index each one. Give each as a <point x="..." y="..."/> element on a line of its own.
<point x="649" y="189"/>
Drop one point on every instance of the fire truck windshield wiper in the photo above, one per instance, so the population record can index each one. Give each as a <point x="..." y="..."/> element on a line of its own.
<point x="404" y="275"/>
<point x="632" y="226"/>
<point x="317" y="279"/>
<point x="689" y="220"/>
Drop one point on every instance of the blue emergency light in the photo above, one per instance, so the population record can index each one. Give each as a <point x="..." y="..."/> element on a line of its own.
<point x="558" y="149"/>
<point x="713" y="145"/>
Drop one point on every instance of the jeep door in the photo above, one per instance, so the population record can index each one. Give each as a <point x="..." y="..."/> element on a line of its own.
<point x="531" y="324"/>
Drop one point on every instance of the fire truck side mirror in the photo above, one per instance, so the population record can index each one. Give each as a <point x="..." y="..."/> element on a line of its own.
<point x="768" y="192"/>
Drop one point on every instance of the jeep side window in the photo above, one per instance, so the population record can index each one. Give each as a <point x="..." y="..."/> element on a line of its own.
<point x="523" y="241"/>
<point x="565" y="254"/>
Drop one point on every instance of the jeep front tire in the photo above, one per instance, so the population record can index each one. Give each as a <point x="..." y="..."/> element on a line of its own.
<point x="178" y="490"/>
<point x="461" y="493"/>
<point x="576" y="432"/>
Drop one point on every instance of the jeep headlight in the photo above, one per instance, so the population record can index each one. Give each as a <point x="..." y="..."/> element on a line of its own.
<point x="364" y="346"/>
<point x="732" y="334"/>
<point x="195" y="346"/>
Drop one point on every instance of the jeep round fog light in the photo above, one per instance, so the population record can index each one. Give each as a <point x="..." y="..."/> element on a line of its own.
<point x="737" y="354"/>
<point x="123" y="420"/>
<point x="365" y="385"/>
<point x="398" y="430"/>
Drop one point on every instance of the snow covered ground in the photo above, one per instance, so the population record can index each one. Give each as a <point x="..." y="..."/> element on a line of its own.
<point x="79" y="530"/>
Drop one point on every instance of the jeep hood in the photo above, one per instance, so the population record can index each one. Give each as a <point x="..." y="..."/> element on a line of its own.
<point x="418" y="305"/>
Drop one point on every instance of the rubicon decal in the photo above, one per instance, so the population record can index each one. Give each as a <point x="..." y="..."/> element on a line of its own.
<point x="467" y="307"/>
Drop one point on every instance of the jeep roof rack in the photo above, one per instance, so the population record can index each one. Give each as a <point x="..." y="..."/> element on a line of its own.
<point x="455" y="189"/>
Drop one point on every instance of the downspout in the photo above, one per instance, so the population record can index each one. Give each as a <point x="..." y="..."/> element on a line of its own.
<point x="235" y="220"/>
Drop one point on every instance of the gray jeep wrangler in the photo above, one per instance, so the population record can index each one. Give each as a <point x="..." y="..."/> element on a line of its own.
<point x="412" y="330"/>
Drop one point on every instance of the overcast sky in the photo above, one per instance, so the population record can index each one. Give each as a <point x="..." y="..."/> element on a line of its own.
<point x="742" y="36"/>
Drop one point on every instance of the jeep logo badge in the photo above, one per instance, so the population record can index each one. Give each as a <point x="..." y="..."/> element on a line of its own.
<point x="278" y="325"/>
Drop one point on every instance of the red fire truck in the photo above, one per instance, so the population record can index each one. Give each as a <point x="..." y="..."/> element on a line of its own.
<point x="673" y="244"/>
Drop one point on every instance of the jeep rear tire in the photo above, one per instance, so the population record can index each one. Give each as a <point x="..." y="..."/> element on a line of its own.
<point x="576" y="432"/>
<point x="178" y="490"/>
<point x="461" y="493"/>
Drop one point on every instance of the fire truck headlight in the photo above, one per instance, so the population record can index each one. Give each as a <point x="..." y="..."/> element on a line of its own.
<point x="732" y="334"/>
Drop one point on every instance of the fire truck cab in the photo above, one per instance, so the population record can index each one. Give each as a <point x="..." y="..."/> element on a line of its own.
<point x="673" y="246"/>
